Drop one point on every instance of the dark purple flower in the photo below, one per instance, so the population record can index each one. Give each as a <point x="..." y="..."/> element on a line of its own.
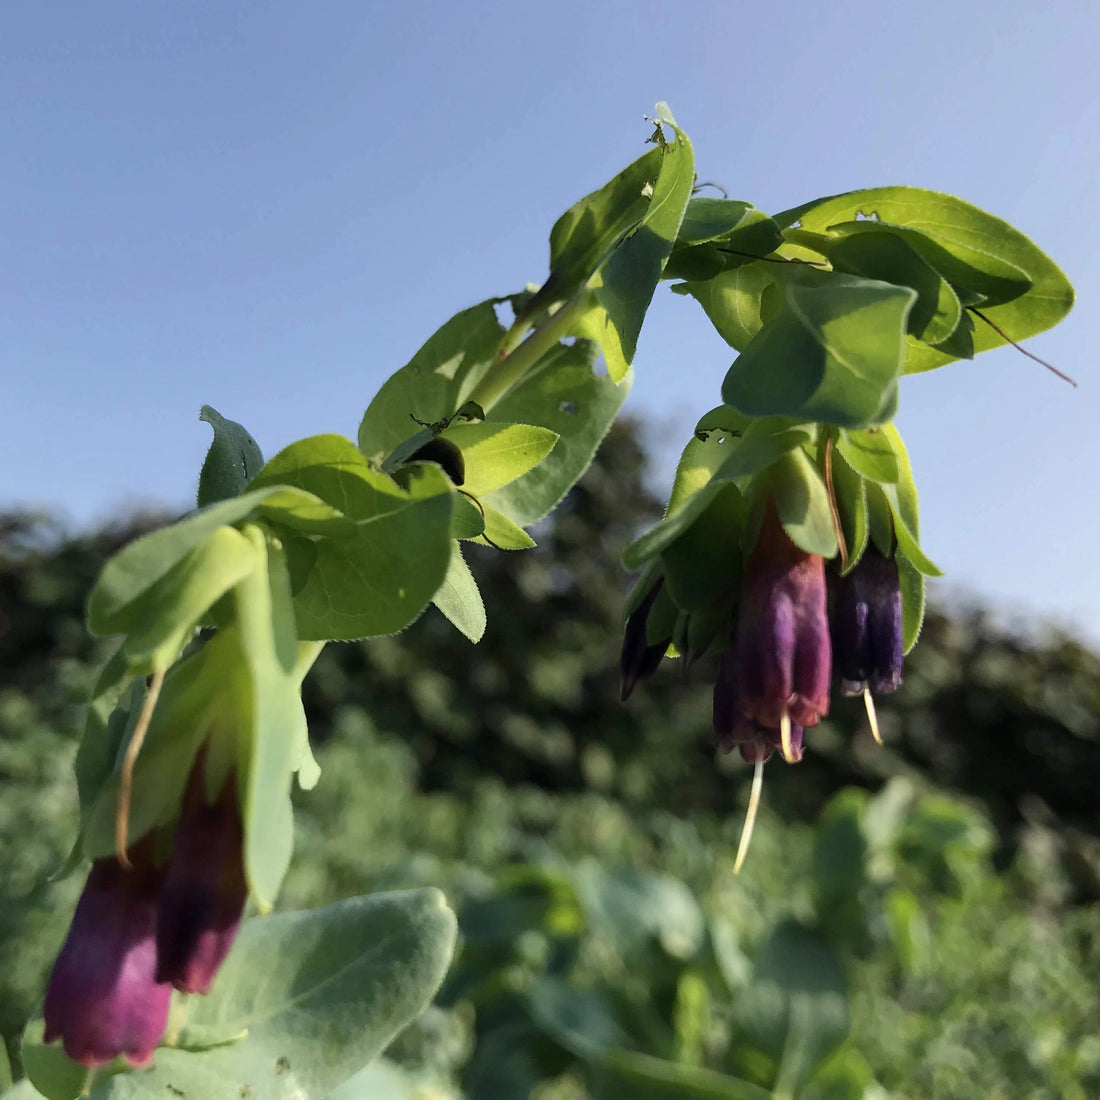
<point x="866" y="626"/>
<point x="204" y="889"/>
<point x="735" y="730"/>
<point x="783" y="655"/>
<point x="639" y="659"/>
<point x="104" y="999"/>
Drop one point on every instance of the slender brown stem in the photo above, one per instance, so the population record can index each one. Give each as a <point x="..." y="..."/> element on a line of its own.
<point x="1022" y="350"/>
<point x="126" y="778"/>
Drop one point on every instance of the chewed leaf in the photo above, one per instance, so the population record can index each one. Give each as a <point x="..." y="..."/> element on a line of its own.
<point x="968" y="232"/>
<point x="566" y="396"/>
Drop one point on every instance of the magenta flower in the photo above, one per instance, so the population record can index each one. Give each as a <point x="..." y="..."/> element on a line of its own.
<point x="783" y="654"/>
<point x="867" y="626"/>
<point x="104" y="999"/>
<point x="204" y="890"/>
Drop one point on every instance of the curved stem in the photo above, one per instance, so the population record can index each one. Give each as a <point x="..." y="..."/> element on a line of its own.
<point x="126" y="779"/>
<point x="506" y="373"/>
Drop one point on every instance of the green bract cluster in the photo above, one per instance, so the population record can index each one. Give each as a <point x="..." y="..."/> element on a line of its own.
<point x="484" y="431"/>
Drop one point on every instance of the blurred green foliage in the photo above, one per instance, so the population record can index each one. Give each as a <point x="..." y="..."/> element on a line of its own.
<point x="916" y="921"/>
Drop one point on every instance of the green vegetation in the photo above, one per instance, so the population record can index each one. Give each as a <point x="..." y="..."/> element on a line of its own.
<point x="918" y="920"/>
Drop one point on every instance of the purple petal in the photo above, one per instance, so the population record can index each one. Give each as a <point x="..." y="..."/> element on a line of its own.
<point x="103" y="999"/>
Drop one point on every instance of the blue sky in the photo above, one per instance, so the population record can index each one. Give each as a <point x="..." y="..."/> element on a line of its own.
<point x="268" y="206"/>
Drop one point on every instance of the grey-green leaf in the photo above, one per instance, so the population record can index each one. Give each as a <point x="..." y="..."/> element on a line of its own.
<point x="232" y="462"/>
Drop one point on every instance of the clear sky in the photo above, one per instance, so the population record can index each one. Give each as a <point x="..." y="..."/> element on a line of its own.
<point x="267" y="206"/>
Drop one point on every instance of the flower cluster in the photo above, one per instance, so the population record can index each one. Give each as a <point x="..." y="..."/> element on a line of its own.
<point x="141" y="931"/>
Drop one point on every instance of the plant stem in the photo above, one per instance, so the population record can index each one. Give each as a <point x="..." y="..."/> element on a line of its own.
<point x="506" y="373"/>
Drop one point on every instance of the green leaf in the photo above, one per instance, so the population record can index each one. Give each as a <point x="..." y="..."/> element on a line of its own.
<point x="232" y="462"/>
<point x="564" y="395"/>
<point x="436" y="382"/>
<point x="717" y="234"/>
<point x="733" y="301"/>
<point x="703" y="565"/>
<point x="903" y="504"/>
<point x="869" y="453"/>
<point x="832" y="354"/>
<point x="161" y="620"/>
<point x="890" y="257"/>
<point x="266" y="622"/>
<point x="624" y="284"/>
<point x="708" y="464"/>
<point x="503" y="533"/>
<point x="379" y="580"/>
<point x="978" y="279"/>
<point x="584" y="235"/>
<point x="761" y="445"/>
<point x="851" y="500"/>
<point x="912" y="585"/>
<point x="459" y="599"/>
<point x="304" y="513"/>
<point x="467" y="519"/>
<point x="495" y="454"/>
<point x="802" y="503"/>
<point x="795" y="1010"/>
<point x="317" y="994"/>
<point x="138" y="566"/>
<point x="971" y="235"/>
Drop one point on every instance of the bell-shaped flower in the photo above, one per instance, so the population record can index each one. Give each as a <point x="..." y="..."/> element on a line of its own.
<point x="734" y="729"/>
<point x="104" y="998"/>
<point x="868" y="643"/>
<point x="205" y="889"/>
<point x="783" y="653"/>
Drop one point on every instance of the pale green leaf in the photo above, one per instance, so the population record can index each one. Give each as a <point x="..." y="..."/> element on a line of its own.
<point x="458" y="597"/>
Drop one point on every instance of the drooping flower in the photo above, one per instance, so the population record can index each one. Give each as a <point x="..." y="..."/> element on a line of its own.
<point x="104" y="998"/>
<point x="205" y="890"/>
<point x="734" y="729"/>
<point x="868" y="643"/>
<point x="783" y="654"/>
<point x="640" y="659"/>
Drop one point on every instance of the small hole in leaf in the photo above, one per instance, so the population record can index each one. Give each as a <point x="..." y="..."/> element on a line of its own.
<point x="568" y="407"/>
<point x="872" y="217"/>
<point x="721" y="439"/>
<point x="504" y="312"/>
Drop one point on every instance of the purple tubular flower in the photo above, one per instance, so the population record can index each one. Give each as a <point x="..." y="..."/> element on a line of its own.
<point x="734" y="729"/>
<point x="104" y="998"/>
<point x="867" y="627"/>
<point x="639" y="659"/>
<point x="783" y="653"/>
<point x="204" y="889"/>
